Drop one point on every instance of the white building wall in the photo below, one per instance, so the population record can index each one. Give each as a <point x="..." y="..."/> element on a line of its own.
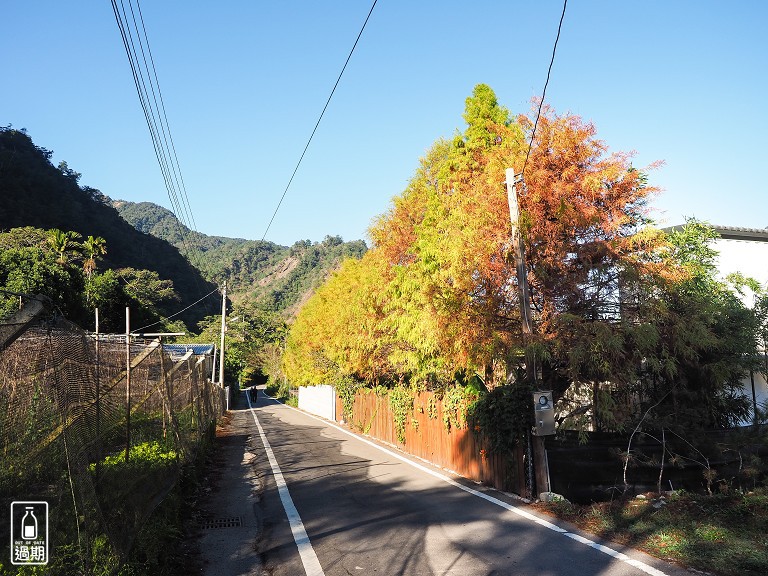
<point x="761" y="394"/>
<point x="750" y="257"/>
<point x="318" y="400"/>
<point x="746" y="256"/>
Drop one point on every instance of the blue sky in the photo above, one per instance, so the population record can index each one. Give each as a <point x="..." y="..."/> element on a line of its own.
<point x="244" y="82"/>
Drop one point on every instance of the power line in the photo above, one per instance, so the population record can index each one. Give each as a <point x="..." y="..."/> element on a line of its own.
<point x="183" y="186"/>
<point x="177" y="313"/>
<point x="153" y="108"/>
<point x="544" y="92"/>
<point x="295" y="170"/>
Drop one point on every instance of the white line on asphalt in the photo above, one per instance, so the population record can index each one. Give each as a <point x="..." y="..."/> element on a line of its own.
<point x="306" y="552"/>
<point x="642" y="566"/>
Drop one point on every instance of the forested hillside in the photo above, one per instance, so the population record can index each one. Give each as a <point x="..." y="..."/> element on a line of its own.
<point x="275" y="277"/>
<point x="145" y="236"/>
<point x="38" y="194"/>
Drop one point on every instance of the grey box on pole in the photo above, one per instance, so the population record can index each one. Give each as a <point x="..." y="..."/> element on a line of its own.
<point x="544" y="412"/>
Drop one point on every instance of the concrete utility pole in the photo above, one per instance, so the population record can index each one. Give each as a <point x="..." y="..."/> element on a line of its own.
<point x="223" y="329"/>
<point x="539" y="456"/>
<point x="127" y="383"/>
<point x="98" y="398"/>
<point x="523" y="291"/>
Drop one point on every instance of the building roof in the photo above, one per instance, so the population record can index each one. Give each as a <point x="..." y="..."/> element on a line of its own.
<point x="738" y="233"/>
<point x="732" y="232"/>
<point x="181" y="349"/>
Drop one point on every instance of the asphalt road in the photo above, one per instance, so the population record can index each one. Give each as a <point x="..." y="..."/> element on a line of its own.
<point x="335" y="504"/>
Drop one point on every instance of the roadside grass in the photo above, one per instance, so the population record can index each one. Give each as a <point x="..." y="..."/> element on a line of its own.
<point x="163" y="546"/>
<point x="724" y="534"/>
<point x="282" y="394"/>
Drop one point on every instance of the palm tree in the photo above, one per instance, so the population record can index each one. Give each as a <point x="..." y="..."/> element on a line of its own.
<point x="64" y="243"/>
<point x="93" y="248"/>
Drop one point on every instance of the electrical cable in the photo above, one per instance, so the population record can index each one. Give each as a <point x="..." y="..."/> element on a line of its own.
<point x="177" y="313"/>
<point x="158" y="126"/>
<point x="167" y="165"/>
<point x="170" y="167"/>
<point x="183" y="187"/>
<point x="295" y="170"/>
<point x="544" y="92"/>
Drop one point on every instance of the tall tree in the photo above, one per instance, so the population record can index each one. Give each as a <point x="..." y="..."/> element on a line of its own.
<point x="93" y="249"/>
<point x="438" y="289"/>
<point x="65" y="244"/>
<point x="34" y="270"/>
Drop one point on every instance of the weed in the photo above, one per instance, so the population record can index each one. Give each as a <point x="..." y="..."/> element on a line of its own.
<point x="723" y="534"/>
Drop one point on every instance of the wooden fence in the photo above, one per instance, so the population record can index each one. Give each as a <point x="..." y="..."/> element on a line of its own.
<point x="460" y="450"/>
<point x="581" y="472"/>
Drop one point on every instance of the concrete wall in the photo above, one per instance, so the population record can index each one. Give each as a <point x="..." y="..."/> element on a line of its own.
<point x="318" y="400"/>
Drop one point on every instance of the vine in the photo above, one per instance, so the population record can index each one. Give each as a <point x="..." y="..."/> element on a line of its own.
<point x="401" y="402"/>
<point x="456" y="402"/>
<point x="432" y="408"/>
<point x="504" y="416"/>
<point x="346" y="388"/>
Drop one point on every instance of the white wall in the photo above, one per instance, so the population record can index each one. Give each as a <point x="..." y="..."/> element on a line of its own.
<point x="761" y="394"/>
<point x="751" y="259"/>
<point x="319" y="400"/>
<point x="748" y="257"/>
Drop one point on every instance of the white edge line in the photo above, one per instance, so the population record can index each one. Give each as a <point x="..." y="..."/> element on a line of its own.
<point x="306" y="552"/>
<point x="648" y="569"/>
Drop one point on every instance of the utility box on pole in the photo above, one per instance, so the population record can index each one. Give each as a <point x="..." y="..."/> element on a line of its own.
<point x="544" y="412"/>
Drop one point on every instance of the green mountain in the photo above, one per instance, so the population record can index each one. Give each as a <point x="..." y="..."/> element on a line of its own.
<point x="36" y="193"/>
<point x="276" y="277"/>
<point x="147" y="236"/>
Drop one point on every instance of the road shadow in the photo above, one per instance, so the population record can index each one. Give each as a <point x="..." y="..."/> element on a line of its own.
<point x="371" y="516"/>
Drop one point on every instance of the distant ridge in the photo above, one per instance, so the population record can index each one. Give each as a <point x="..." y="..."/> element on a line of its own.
<point x="275" y="277"/>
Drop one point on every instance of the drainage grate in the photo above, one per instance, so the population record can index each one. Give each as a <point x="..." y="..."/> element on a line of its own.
<point x="234" y="522"/>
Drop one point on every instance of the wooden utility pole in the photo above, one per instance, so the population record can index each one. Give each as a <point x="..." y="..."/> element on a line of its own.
<point x="538" y="458"/>
<point x="223" y="329"/>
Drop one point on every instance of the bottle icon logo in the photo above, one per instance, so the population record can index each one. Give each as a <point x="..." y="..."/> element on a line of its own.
<point x="29" y="525"/>
<point x="29" y="533"/>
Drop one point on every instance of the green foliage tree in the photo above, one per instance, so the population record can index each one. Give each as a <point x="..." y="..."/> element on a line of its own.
<point x="93" y="249"/>
<point x="65" y="244"/>
<point x="145" y="292"/>
<point x="253" y="342"/>
<point x="104" y="291"/>
<point x="35" y="270"/>
<point x="34" y="261"/>
<point x="249" y="331"/>
<point x="707" y="339"/>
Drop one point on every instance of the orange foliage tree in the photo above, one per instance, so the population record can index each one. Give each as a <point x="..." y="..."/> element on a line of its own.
<point x="436" y="296"/>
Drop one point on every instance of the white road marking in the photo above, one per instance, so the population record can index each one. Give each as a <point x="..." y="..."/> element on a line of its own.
<point x="306" y="552"/>
<point x="642" y="566"/>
